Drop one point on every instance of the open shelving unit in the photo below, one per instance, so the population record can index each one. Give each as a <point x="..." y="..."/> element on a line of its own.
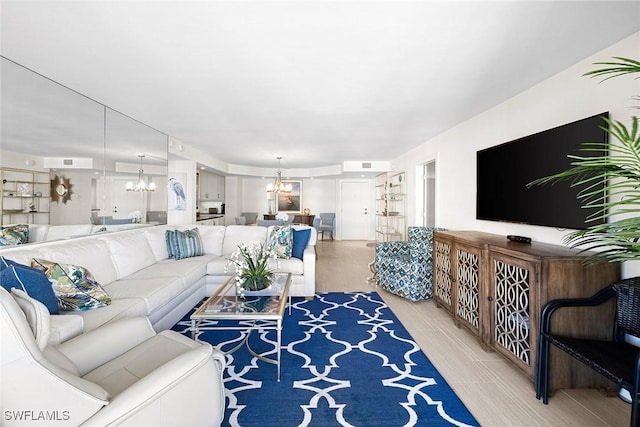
<point x="390" y="206"/>
<point x="25" y="196"/>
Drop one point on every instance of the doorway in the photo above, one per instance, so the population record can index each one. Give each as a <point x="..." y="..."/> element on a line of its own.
<point x="356" y="216"/>
<point x="429" y="194"/>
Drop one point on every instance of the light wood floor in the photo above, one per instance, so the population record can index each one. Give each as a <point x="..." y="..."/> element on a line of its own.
<point x="493" y="389"/>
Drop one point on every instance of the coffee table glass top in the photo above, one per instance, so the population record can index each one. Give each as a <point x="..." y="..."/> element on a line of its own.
<point x="229" y="302"/>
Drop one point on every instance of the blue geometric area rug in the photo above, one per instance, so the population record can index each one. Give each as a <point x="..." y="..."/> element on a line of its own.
<point x="346" y="360"/>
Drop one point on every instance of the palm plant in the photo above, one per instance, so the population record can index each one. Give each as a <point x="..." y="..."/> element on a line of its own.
<point x="618" y="239"/>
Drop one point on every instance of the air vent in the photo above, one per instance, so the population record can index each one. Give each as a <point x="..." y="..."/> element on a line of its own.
<point x="67" y="162"/>
<point x="366" y="165"/>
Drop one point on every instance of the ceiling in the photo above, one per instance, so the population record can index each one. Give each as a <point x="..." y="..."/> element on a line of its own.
<point x="317" y="82"/>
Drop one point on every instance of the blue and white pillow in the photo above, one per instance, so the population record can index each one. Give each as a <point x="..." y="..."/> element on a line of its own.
<point x="74" y="286"/>
<point x="30" y="280"/>
<point x="184" y="244"/>
<point x="281" y="241"/>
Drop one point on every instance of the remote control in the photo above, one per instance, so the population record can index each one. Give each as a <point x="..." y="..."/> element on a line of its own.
<point x="521" y="239"/>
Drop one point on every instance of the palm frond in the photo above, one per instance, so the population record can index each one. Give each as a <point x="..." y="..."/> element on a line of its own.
<point x="617" y="68"/>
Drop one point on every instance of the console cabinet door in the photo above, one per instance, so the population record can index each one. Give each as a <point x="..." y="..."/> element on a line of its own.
<point x="514" y="312"/>
<point x="468" y="265"/>
<point x="443" y="292"/>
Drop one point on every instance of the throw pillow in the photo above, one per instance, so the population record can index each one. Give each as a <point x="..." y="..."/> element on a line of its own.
<point x="74" y="286"/>
<point x="31" y="281"/>
<point x="37" y="316"/>
<point x="184" y="244"/>
<point x="281" y="241"/>
<point x="14" y="235"/>
<point x="300" y="240"/>
<point x="5" y="262"/>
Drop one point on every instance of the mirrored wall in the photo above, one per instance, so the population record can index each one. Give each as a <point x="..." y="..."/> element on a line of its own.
<point x="105" y="168"/>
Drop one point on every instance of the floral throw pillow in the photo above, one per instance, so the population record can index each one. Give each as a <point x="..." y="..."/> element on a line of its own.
<point x="74" y="286"/>
<point x="14" y="235"/>
<point x="281" y="241"/>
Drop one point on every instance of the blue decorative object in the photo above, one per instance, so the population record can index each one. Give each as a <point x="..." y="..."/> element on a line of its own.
<point x="347" y="360"/>
<point x="32" y="281"/>
<point x="300" y="241"/>
<point x="5" y="262"/>
<point x="184" y="244"/>
<point x="406" y="268"/>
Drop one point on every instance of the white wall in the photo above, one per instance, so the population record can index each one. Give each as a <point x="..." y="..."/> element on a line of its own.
<point x="77" y="210"/>
<point x="248" y="194"/>
<point x="563" y="98"/>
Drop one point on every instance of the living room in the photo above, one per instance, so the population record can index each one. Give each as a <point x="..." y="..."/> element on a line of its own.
<point x="560" y="97"/>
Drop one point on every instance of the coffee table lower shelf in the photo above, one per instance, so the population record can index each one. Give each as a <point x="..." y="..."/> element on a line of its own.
<point x="261" y="312"/>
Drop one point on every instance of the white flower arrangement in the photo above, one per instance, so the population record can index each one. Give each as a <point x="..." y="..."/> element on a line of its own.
<point x="251" y="265"/>
<point x="282" y="217"/>
<point x="135" y="217"/>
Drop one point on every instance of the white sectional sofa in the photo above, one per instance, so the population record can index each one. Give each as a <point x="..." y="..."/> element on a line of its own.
<point x="134" y="269"/>
<point x="46" y="233"/>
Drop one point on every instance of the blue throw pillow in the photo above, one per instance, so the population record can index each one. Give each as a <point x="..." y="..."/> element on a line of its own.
<point x="184" y="244"/>
<point x="32" y="281"/>
<point x="300" y="240"/>
<point x="5" y="262"/>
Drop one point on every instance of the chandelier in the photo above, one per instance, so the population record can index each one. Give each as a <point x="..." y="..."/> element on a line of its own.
<point x="141" y="185"/>
<point x="279" y="186"/>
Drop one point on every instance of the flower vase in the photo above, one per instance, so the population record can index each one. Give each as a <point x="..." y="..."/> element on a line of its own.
<point x="254" y="286"/>
<point x="256" y="283"/>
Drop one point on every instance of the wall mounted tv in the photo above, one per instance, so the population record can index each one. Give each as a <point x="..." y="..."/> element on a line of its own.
<point x="504" y="171"/>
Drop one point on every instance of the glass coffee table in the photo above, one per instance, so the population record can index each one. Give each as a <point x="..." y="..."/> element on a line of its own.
<point x="249" y="311"/>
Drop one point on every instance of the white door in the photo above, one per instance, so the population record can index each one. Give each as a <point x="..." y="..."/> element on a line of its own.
<point x="126" y="202"/>
<point x="356" y="210"/>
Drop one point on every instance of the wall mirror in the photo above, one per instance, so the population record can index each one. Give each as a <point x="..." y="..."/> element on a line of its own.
<point x="49" y="128"/>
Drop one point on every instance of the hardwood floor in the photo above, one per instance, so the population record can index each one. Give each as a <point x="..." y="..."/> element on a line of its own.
<point x="494" y="390"/>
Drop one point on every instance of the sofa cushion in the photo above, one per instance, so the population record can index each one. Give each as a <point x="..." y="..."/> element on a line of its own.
<point x="64" y="328"/>
<point x="14" y="235"/>
<point x="281" y="241"/>
<point x="218" y="267"/>
<point x="184" y="244"/>
<point x="190" y="270"/>
<point x="58" y="232"/>
<point x="212" y="239"/>
<point x="74" y="286"/>
<point x="37" y="316"/>
<point x="119" y="308"/>
<point x="292" y="265"/>
<point x="91" y="253"/>
<point x="236" y="234"/>
<point x="155" y="292"/>
<point x="158" y="242"/>
<point x="130" y="252"/>
<point x="33" y="282"/>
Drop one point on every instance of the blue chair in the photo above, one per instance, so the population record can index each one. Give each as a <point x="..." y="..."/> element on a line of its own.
<point x="325" y="223"/>
<point x="246" y="218"/>
<point x="406" y="268"/>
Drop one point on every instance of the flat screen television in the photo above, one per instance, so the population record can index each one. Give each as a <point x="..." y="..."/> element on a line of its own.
<point x="503" y="172"/>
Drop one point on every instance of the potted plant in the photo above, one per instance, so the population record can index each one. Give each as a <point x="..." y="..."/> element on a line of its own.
<point x="251" y="265"/>
<point x="618" y="239"/>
